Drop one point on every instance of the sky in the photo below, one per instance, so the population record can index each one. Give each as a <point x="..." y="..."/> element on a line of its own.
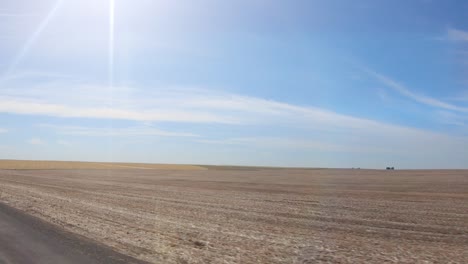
<point x="368" y="84"/>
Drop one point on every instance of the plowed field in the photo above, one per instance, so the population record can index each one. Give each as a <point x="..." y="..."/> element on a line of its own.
<point x="253" y="215"/>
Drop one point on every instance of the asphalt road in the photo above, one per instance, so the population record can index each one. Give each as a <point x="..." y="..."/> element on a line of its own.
<point x="25" y="239"/>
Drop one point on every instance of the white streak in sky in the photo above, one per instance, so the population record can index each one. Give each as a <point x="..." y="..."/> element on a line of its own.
<point x="111" y="43"/>
<point x="111" y="68"/>
<point x="400" y="88"/>
<point x="32" y="39"/>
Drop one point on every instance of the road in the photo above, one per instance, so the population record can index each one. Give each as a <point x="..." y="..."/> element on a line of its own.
<point x="25" y="239"/>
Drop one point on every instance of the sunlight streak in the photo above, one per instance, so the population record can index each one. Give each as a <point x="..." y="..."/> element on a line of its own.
<point x="111" y="73"/>
<point x="32" y="39"/>
<point x="111" y="43"/>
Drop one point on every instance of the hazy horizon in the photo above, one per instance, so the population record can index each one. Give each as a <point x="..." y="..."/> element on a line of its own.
<point x="22" y="164"/>
<point x="332" y="84"/>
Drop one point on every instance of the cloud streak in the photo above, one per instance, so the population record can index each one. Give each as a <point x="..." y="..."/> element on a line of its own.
<point x="403" y="90"/>
<point x="69" y="99"/>
<point x="451" y="118"/>
<point x="457" y="35"/>
<point x="452" y="35"/>
<point x="261" y="124"/>
<point x="19" y="106"/>
<point x="115" y="132"/>
<point x="36" y="141"/>
<point x="14" y="15"/>
<point x="175" y="105"/>
<point x="64" y="143"/>
<point x="296" y="144"/>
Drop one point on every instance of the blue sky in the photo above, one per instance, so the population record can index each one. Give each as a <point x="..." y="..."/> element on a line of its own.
<point x="278" y="83"/>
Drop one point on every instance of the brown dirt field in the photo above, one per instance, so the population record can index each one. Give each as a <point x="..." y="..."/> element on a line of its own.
<point x="255" y="215"/>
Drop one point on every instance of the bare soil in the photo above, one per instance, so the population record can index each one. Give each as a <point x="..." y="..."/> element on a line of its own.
<point x="254" y="215"/>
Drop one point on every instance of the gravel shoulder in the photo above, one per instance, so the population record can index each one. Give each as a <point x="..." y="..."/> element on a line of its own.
<point x="25" y="239"/>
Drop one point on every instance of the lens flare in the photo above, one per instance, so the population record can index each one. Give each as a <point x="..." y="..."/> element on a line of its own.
<point x="32" y="39"/>
<point x="111" y="72"/>
<point x="111" y="42"/>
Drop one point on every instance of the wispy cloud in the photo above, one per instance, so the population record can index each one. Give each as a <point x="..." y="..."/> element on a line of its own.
<point x="3" y="130"/>
<point x="463" y="97"/>
<point x="296" y="144"/>
<point x="310" y="129"/>
<point x="451" y="118"/>
<point x="20" y="106"/>
<point x="15" y="15"/>
<point x="457" y="34"/>
<point x="180" y="106"/>
<point x="36" y="141"/>
<point x="117" y="132"/>
<point x="183" y="105"/>
<point x="65" y="98"/>
<point x="403" y="90"/>
<point x="64" y="143"/>
<point x="33" y="75"/>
